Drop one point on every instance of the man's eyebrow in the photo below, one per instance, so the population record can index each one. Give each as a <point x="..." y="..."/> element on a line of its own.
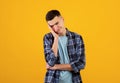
<point x="56" y="23"/>
<point x="53" y="24"/>
<point x="50" y="25"/>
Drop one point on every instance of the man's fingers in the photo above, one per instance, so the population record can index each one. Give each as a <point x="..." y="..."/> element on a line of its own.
<point x="47" y="66"/>
<point x="50" y="29"/>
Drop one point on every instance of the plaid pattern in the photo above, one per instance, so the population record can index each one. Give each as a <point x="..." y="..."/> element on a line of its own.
<point x="75" y="52"/>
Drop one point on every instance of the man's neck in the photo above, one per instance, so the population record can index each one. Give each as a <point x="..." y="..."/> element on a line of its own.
<point x="64" y="33"/>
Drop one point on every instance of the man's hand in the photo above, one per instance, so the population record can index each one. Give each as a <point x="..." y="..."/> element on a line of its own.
<point x="49" y="67"/>
<point x="53" y="33"/>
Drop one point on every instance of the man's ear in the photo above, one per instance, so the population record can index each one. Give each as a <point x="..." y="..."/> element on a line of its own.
<point x="62" y="18"/>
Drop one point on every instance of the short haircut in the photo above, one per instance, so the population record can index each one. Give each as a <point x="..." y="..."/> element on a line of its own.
<point x="51" y="14"/>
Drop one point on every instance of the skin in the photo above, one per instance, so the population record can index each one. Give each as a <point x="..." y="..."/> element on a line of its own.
<point x="57" y="28"/>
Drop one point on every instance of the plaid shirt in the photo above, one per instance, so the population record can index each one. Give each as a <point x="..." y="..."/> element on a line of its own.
<point x="76" y="55"/>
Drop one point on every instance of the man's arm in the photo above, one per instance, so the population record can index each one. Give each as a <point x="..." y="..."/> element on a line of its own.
<point x="55" y="43"/>
<point x="51" y="52"/>
<point x="79" y="62"/>
<point x="60" y="67"/>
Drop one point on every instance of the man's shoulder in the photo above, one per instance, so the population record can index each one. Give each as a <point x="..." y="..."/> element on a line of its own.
<point x="75" y="34"/>
<point x="48" y="35"/>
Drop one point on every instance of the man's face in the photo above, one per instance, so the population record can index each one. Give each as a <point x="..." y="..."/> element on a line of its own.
<point x="57" y="24"/>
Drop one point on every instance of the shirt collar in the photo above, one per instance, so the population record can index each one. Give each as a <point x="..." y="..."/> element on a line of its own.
<point x="68" y="34"/>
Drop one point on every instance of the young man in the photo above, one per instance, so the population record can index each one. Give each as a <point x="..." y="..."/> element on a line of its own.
<point x="64" y="51"/>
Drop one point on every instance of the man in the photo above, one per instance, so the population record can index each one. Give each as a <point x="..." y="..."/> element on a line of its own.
<point x="64" y="51"/>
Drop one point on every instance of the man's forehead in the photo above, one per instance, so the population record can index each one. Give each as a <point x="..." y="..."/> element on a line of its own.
<point x="54" y="20"/>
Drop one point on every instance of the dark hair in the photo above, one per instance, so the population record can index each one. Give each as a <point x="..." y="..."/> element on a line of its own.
<point x="51" y="14"/>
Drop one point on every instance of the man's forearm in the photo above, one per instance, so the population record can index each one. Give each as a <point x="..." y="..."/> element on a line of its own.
<point x="55" y="46"/>
<point x="64" y="67"/>
<point x="61" y="67"/>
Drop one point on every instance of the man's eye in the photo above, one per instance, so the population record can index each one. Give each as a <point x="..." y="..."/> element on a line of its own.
<point x="56" y="23"/>
<point x="51" y="26"/>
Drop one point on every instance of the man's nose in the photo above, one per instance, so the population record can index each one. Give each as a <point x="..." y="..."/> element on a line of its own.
<point x="55" y="26"/>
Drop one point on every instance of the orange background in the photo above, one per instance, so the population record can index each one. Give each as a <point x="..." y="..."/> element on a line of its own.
<point x="23" y="25"/>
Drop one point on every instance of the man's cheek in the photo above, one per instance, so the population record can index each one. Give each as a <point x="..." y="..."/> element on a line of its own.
<point x="53" y="30"/>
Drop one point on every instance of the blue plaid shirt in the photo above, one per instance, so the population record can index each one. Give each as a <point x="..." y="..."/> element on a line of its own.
<point x="76" y="53"/>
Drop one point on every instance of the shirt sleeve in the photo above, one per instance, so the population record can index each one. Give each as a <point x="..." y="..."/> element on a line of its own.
<point x="49" y="54"/>
<point x="79" y="62"/>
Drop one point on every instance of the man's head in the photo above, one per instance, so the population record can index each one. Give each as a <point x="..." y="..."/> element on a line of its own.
<point x="51" y="14"/>
<point x="55" y="21"/>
